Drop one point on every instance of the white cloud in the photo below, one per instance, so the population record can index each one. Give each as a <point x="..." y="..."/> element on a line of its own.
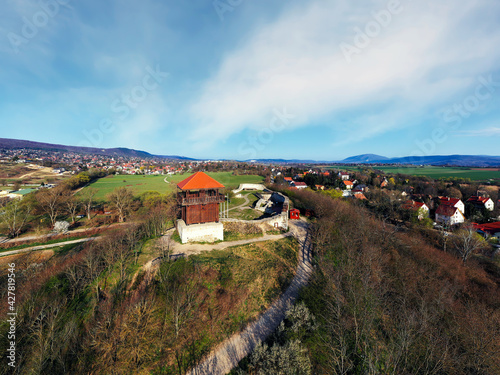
<point x="426" y="55"/>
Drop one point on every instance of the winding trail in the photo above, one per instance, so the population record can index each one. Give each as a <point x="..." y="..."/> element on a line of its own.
<point x="247" y="201"/>
<point x="227" y="356"/>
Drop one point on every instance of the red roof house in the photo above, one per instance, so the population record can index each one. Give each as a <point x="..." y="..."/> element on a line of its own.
<point x="449" y="215"/>
<point x="482" y="202"/>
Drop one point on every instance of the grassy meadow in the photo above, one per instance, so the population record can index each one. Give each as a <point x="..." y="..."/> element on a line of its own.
<point x="140" y="183"/>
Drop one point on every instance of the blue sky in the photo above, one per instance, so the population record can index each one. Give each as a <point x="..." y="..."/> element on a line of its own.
<point x="245" y="79"/>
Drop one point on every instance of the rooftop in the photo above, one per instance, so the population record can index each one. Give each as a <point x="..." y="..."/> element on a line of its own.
<point x="199" y="181"/>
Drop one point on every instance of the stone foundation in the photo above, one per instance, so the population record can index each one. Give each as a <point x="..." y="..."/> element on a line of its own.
<point x="208" y="232"/>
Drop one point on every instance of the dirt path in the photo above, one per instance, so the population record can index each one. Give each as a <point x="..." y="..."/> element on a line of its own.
<point x="49" y="235"/>
<point x="247" y="201"/>
<point x="230" y="352"/>
<point x="43" y="247"/>
<point x="179" y="250"/>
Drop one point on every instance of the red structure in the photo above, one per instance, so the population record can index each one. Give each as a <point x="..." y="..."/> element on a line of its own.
<point x="294" y="214"/>
<point x="198" y="197"/>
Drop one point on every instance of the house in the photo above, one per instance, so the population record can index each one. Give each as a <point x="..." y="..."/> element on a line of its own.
<point x="384" y="183"/>
<point x="348" y="185"/>
<point x="299" y="185"/>
<point x="452" y="202"/>
<point x="482" y="202"/>
<point x="294" y="214"/>
<point x="19" y="194"/>
<point x="492" y="229"/>
<point x="289" y="180"/>
<point x="449" y="215"/>
<point x="361" y="188"/>
<point x="344" y="176"/>
<point x="420" y="207"/>
<point x="320" y="187"/>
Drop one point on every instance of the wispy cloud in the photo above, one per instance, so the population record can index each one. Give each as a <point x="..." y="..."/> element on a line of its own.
<point x="486" y="132"/>
<point x="428" y="54"/>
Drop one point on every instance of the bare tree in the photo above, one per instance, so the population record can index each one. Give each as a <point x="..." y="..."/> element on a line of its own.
<point x="87" y="197"/>
<point x="72" y="207"/>
<point x="121" y="199"/>
<point x="51" y="202"/>
<point x="468" y="242"/>
<point x="15" y="215"/>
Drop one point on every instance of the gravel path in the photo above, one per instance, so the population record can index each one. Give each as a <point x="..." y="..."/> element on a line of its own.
<point x="227" y="356"/>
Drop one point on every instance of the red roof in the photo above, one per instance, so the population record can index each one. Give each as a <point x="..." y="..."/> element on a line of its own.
<point x="413" y="205"/>
<point x="298" y="183"/>
<point x="199" y="181"/>
<point x="489" y="227"/>
<point x="448" y="201"/>
<point x="347" y="183"/>
<point x="288" y="179"/>
<point x="446" y="210"/>
<point x="475" y="199"/>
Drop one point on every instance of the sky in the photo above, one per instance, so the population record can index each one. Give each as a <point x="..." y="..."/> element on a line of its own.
<point x="241" y="79"/>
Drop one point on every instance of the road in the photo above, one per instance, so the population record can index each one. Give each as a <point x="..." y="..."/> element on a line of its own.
<point x="227" y="356"/>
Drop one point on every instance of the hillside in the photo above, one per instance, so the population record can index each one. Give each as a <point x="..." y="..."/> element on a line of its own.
<point x="7" y="143"/>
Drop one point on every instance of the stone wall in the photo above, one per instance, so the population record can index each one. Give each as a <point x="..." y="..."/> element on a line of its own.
<point x="208" y="232"/>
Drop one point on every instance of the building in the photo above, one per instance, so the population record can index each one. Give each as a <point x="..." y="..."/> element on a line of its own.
<point x="344" y="176"/>
<point x="449" y="215"/>
<point x="299" y="185"/>
<point x="490" y="229"/>
<point x="452" y="202"/>
<point x="198" y="198"/>
<point x="482" y="202"/>
<point x="348" y="184"/>
<point x="420" y="207"/>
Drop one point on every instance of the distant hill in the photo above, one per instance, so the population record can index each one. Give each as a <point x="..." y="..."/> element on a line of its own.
<point x="7" y="143"/>
<point x="365" y="158"/>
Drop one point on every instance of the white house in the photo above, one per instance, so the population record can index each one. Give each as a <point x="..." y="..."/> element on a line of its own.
<point x="449" y="215"/>
<point x="344" y="175"/>
<point x="452" y="202"/>
<point x="299" y="185"/>
<point x="481" y="202"/>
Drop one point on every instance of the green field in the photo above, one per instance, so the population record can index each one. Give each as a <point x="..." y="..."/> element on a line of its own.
<point x="139" y="183"/>
<point x="436" y="172"/>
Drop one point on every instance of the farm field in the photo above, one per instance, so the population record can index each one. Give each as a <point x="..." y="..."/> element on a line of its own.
<point x="475" y="174"/>
<point x="140" y="184"/>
